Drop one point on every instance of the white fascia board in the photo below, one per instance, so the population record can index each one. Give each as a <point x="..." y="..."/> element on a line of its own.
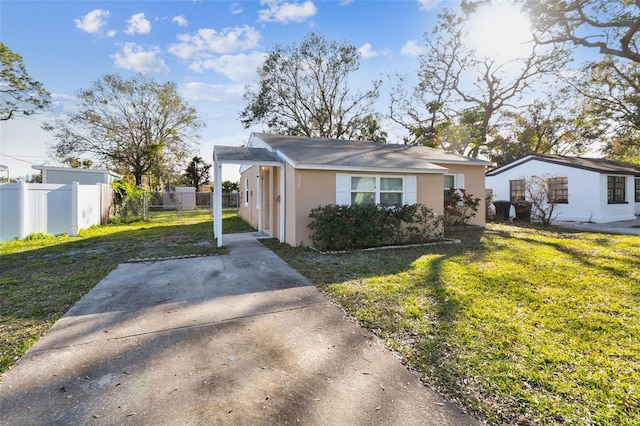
<point x="256" y="142"/>
<point x="432" y="170"/>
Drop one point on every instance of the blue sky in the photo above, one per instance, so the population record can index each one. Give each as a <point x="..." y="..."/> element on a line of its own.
<point x="210" y="49"/>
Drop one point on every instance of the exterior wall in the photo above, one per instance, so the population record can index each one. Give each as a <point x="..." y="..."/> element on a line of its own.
<point x="248" y="210"/>
<point x="27" y="208"/>
<point x="474" y="184"/>
<point x="82" y="176"/>
<point x="587" y="191"/>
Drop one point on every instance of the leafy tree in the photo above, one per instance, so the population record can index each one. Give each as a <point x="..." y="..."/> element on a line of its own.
<point x="370" y="130"/>
<point x="76" y="162"/>
<point x="229" y="187"/>
<point x="611" y="90"/>
<point x="303" y="90"/>
<point x="19" y="93"/>
<point x="135" y="126"/>
<point x="611" y="26"/>
<point x="544" y="127"/>
<point x="197" y="172"/>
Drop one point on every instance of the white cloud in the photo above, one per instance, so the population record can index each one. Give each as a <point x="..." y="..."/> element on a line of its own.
<point x="283" y="11"/>
<point x="239" y="68"/>
<point x="412" y="48"/>
<point x="209" y="41"/>
<point x="428" y="4"/>
<point x="134" y="57"/>
<point x="366" y="51"/>
<point x="236" y="8"/>
<point x="216" y="93"/>
<point x="138" y="24"/>
<point x="345" y="2"/>
<point x="180" y="20"/>
<point x="94" y="22"/>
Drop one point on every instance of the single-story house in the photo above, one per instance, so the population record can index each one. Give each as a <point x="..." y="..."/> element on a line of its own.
<point x="586" y="189"/>
<point x="284" y="177"/>
<point x="66" y="175"/>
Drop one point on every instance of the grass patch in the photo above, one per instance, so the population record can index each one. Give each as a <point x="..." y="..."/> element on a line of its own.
<point x="518" y="324"/>
<point x="42" y="276"/>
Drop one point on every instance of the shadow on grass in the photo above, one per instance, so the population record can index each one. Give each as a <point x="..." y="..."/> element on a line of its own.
<point x="38" y="285"/>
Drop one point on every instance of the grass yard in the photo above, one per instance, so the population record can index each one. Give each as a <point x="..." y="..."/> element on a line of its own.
<point x="521" y="325"/>
<point x="42" y="276"/>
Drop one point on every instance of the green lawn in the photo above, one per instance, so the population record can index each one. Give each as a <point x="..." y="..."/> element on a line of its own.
<point x="41" y="277"/>
<point x="538" y="326"/>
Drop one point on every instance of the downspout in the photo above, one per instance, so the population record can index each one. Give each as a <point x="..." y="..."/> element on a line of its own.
<point x="259" y="198"/>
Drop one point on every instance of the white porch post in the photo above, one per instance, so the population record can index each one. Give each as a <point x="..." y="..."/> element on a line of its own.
<point x="259" y="198"/>
<point x="282" y="204"/>
<point x="217" y="203"/>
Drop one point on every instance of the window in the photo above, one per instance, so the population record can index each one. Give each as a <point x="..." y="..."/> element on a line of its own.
<point x="246" y="192"/>
<point x="387" y="191"/>
<point x="449" y="183"/>
<point x="616" y="189"/>
<point x="516" y="190"/>
<point x="637" y="190"/>
<point x="558" y="190"/>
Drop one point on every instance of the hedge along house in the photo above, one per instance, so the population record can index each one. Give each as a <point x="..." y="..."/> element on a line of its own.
<point x="284" y="177"/>
<point x="586" y="189"/>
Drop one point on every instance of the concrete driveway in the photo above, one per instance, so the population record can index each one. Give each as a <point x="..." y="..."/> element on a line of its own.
<point x="239" y="340"/>
<point x="628" y="227"/>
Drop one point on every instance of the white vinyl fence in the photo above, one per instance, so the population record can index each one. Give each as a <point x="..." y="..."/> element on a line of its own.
<point x="26" y="208"/>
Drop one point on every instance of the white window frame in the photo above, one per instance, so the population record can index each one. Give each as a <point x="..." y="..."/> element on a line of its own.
<point x="408" y="193"/>
<point x="377" y="190"/>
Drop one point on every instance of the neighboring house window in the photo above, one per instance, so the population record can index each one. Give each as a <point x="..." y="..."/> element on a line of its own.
<point x="387" y="191"/>
<point x="616" y="189"/>
<point x="637" y="190"/>
<point x="559" y="190"/>
<point x="246" y="192"/>
<point x="516" y="189"/>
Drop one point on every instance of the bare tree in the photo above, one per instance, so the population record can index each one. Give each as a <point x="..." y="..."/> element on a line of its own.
<point x="541" y="191"/>
<point x="613" y="27"/>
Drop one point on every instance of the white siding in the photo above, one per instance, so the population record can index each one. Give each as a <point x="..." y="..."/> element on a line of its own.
<point x="587" y="191"/>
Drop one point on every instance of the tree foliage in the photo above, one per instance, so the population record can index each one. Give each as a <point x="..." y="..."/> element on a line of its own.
<point x="197" y="172"/>
<point x="19" y="93"/>
<point x="304" y="90"/>
<point x="135" y="126"/>
<point x="611" y="92"/>
<point x="611" y="26"/>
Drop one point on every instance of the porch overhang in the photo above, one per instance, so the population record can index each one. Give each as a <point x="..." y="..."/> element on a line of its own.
<point x="240" y="156"/>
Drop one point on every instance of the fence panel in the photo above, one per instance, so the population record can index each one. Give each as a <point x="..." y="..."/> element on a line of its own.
<point x="27" y="208"/>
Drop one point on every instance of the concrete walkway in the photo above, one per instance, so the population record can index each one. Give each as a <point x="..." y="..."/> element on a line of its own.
<point x="628" y="227"/>
<point x="228" y="340"/>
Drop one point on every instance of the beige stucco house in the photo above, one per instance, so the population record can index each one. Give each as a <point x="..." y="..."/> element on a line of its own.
<point x="284" y="177"/>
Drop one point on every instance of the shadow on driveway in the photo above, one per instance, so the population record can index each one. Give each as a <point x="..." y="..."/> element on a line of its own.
<point x="238" y="339"/>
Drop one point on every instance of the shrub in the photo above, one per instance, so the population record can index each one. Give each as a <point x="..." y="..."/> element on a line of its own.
<point x="460" y="208"/>
<point x="129" y="201"/>
<point x="343" y="227"/>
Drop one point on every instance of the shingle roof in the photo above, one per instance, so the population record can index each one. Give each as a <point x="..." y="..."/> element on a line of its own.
<point x="600" y="165"/>
<point x="242" y="155"/>
<point x="309" y="152"/>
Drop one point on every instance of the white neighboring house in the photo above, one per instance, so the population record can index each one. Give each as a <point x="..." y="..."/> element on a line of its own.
<point x="588" y="189"/>
<point x="68" y="175"/>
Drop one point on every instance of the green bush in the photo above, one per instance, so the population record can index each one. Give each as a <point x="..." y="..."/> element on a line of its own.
<point x="344" y="227"/>
<point x="129" y="201"/>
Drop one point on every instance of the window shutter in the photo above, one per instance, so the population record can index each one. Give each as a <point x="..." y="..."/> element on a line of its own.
<point x="460" y="181"/>
<point x="410" y="189"/>
<point x="343" y="189"/>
